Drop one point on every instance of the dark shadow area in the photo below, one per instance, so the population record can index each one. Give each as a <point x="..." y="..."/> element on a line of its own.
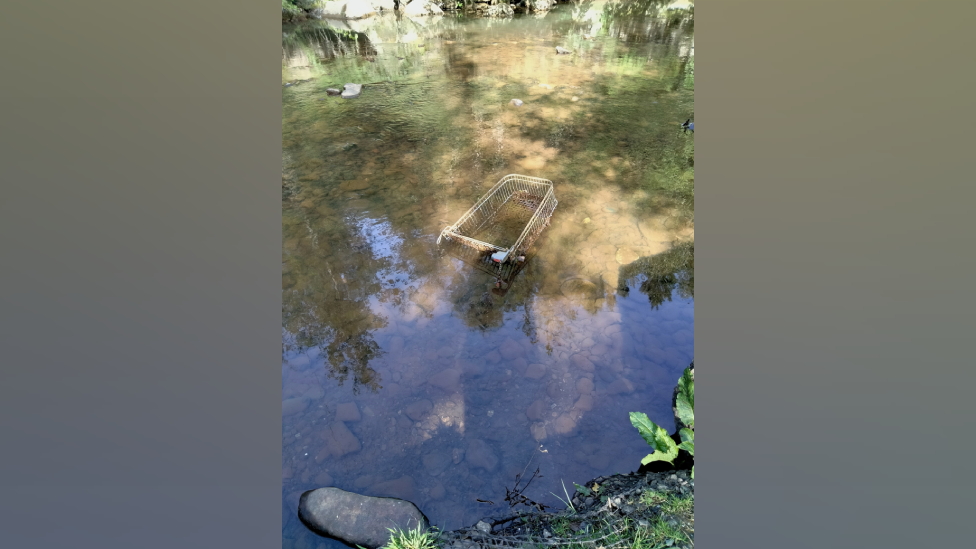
<point x="660" y="276"/>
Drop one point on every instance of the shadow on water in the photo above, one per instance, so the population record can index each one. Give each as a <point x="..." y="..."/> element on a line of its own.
<point x="466" y="382"/>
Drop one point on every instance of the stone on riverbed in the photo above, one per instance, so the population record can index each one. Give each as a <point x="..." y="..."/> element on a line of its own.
<point x="449" y="380"/>
<point x="351" y="91"/>
<point x="562" y="50"/>
<point x="340" y="439"/>
<point x="418" y="410"/>
<point x="402" y="488"/>
<point x="333" y="91"/>
<point x="582" y="362"/>
<point x="516" y="102"/>
<point x="293" y="406"/>
<point x="536" y="410"/>
<point x="480" y="454"/>
<point x="356" y="519"/>
<point x="347" y="411"/>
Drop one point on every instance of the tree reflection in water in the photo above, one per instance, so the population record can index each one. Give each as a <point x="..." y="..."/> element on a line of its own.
<point x="663" y="273"/>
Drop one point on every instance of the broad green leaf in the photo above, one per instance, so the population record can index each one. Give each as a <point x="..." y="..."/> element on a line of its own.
<point x="644" y="426"/>
<point x="686" y="413"/>
<point x="582" y="489"/>
<point x="692" y="471"/>
<point x="686" y="386"/>
<point x="687" y="435"/>
<point x="656" y="436"/>
<point x="688" y="446"/>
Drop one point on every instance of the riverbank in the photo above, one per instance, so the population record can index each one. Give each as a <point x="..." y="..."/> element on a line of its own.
<point x="639" y="510"/>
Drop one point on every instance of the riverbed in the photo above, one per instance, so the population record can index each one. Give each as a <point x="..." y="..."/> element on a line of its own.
<point x="406" y="371"/>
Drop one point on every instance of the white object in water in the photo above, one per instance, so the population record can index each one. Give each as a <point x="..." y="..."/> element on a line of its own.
<point x="498" y="257"/>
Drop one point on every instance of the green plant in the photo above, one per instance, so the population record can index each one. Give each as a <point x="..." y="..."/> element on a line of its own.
<point x="412" y="539"/>
<point x="657" y="437"/>
<point x="568" y="501"/>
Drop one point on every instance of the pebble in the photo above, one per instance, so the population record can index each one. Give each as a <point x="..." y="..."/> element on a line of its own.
<point x="516" y="102"/>
<point x="535" y="371"/>
<point x="449" y="380"/>
<point x="418" y="410"/>
<point x="347" y="411"/>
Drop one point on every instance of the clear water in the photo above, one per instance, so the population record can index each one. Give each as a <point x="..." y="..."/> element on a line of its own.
<point x="403" y="373"/>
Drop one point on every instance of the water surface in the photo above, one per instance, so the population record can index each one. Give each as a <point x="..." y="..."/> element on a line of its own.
<point x="405" y="371"/>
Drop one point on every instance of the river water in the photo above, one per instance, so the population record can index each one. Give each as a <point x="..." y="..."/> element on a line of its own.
<point x="405" y="371"/>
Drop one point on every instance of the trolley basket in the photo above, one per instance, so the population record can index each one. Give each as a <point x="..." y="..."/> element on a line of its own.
<point x="507" y="219"/>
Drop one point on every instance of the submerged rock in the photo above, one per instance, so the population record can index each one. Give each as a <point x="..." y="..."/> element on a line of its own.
<point x="418" y="410"/>
<point x="348" y="411"/>
<point x="480" y="454"/>
<point x="293" y="406"/>
<point x="333" y="91"/>
<point x="352" y="91"/>
<point x="560" y="49"/>
<point x="356" y="519"/>
<point x="449" y="380"/>
<point x="340" y="439"/>
<point x="516" y="102"/>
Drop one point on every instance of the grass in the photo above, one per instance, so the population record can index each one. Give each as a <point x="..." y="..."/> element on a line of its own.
<point x="412" y="539"/>
<point x="659" y="521"/>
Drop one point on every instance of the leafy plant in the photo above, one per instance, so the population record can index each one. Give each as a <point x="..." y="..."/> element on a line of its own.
<point x="657" y="437"/>
<point x="685" y="403"/>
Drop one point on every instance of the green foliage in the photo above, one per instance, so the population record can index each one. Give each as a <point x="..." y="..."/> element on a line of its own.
<point x="289" y="9"/>
<point x="412" y="539"/>
<point x="583" y="489"/>
<point x="657" y="437"/>
<point x="568" y="501"/>
<point x="686" y="399"/>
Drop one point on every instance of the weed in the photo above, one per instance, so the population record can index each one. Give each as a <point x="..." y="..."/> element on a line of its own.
<point x="412" y="539"/>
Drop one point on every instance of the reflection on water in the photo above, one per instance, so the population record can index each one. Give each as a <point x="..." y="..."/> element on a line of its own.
<point x="408" y="371"/>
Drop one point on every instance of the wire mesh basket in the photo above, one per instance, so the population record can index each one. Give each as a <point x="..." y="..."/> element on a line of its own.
<point x="507" y="219"/>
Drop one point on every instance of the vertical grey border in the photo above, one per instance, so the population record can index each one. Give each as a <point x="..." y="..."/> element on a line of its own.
<point x="141" y="229"/>
<point x="833" y="293"/>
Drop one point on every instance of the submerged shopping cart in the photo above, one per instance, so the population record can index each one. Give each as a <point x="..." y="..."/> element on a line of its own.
<point x="503" y="224"/>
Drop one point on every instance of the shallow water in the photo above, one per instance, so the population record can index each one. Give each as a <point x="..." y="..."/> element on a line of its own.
<point x="403" y="373"/>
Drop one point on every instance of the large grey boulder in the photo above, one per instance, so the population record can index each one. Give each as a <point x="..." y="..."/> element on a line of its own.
<point x="348" y="9"/>
<point x="501" y="10"/>
<point x="541" y="5"/>
<point x="355" y="519"/>
<point x="420" y="8"/>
